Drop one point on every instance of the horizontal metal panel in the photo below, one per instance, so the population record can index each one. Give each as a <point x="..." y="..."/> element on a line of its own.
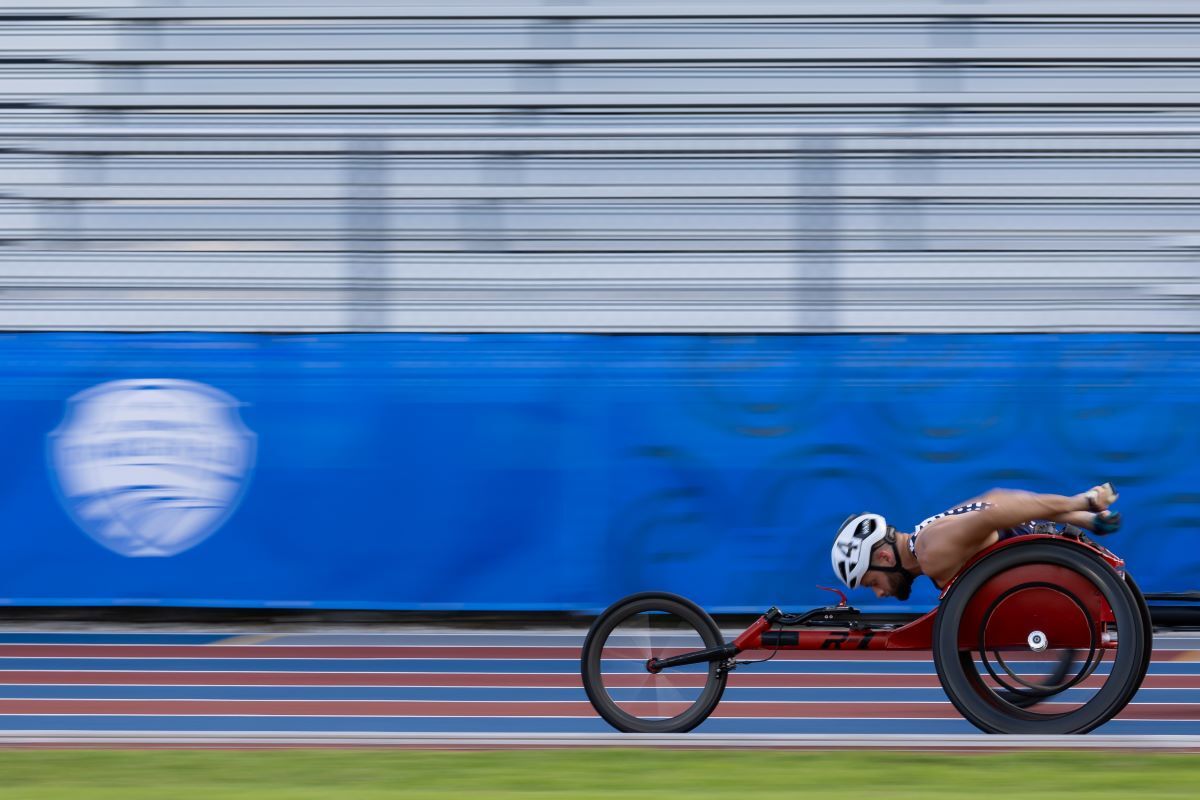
<point x="29" y="267"/>
<point x="664" y="35"/>
<point x="576" y="83"/>
<point x="596" y="316"/>
<point x="478" y="176"/>
<point x="900" y="191"/>
<point x="311" y="9"/>
<point x="551" y="296"/>
<point x="18" y="37"/>
<point x="635" y="97"/>
<point x="559" y="127"/>
<point x="705" y="58"/>
<point x="633" y="214"/>
<point x="922" y="165"/>
<point x="1134" y="145"/>
<point x="716" y="243"/>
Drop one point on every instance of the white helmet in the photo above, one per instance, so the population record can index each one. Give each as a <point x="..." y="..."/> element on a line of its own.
<point x="856" y="538"/>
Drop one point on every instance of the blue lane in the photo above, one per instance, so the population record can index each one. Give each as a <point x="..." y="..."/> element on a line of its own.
<point x="430" y="693"/>
<point x="401" y="665"/>
<point x="83" y="637"/>
<point x="398" y="665"/>
<point x="318" y="724"/>
<point x="446" y="639"/>
<point x="516" y="694"/>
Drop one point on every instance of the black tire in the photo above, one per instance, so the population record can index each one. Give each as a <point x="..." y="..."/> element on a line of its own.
<point x="992" y="709"/>
<point x="626" y="694"/>
<point x="1147" y="638"/>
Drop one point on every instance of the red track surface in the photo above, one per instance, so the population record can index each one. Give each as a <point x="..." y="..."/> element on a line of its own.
<point x="821" y="691"/>
<point x="548" y="680"/>
<point x="392" y="652"/>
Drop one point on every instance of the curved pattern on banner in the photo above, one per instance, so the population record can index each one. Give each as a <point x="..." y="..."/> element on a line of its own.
<point x="665" y="533"/>
<point x="796" y="502"/>
<point x="757" y="386"/>
<point x="1111" y="416"/>
<point x="950" y="401"/>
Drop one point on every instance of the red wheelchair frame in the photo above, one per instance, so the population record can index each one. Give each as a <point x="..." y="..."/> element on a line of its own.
<point x="1013" y="600"/>
<point x="1011" y="630"/>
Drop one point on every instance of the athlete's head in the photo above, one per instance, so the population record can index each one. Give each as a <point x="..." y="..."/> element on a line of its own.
<point x="865" y="554"/>
<point x="882" y="578"/>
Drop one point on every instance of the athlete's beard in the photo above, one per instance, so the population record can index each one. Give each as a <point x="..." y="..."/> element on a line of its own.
<point x="903" y="588"/>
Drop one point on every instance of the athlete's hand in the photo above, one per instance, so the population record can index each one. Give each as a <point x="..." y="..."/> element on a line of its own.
<point x="1100" y="497"/>
<point x="1106" y="522"/>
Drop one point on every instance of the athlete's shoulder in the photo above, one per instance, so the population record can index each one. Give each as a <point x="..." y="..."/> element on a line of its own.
<point x="955" y="511"/>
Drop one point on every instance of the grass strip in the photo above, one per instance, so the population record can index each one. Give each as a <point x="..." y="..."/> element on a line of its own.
<point x="587" y="774"/>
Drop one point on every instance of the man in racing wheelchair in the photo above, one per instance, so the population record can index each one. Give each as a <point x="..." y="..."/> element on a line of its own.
<point x="868" y="552"/>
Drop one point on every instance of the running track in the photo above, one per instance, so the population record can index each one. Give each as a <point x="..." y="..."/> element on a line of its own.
<point x="468" y="688"/>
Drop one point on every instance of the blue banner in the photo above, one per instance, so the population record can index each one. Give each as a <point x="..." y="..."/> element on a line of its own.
<point x="557" y="472"/>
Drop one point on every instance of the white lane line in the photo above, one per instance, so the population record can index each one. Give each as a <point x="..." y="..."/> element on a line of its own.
<point x="926" y="673"/>
<point x="248" y="701"/>
<point x="966" y="741"/>
<point x="16" y="667"/>
<point x="223" y="644"/>
<point x="532" y="687"/>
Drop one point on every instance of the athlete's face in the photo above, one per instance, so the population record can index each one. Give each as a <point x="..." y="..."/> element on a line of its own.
<point x="888" y="584"/>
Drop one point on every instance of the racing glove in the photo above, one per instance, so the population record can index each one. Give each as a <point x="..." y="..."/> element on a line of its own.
<point x="1106" y="522"/>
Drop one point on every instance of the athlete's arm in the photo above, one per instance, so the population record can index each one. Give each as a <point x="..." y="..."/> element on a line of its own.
<point x="948" y="542"/>
<point x="1104" y="523"/>
<point x="1009" y="507"/>
<point x="1080" y="519"/>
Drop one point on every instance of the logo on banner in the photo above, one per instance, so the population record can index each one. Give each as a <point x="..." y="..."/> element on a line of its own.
<point x="151" y="467"/>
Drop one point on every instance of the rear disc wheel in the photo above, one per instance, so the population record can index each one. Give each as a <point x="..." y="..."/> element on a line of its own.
<point x="1040" y="638"/>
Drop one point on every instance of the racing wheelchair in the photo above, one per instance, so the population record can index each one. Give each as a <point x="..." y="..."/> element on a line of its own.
<point x="1039" y="634"/>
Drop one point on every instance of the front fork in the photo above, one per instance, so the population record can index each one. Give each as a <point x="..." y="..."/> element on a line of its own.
<point x="725" y="653"/>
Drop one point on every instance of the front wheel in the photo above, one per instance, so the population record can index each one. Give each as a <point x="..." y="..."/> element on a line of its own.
<point x="618" y="647"/>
